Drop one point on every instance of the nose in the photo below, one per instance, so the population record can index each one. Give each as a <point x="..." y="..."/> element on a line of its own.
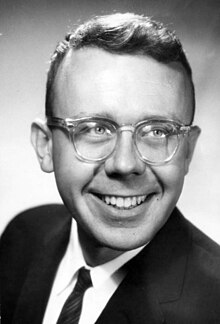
<point x="124" y="161"/>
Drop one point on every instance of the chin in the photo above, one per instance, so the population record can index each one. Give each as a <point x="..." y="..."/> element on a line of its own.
<point x="126" y="240"/>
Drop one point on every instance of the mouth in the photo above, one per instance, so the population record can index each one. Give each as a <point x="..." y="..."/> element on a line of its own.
<point x="123" y="203"/>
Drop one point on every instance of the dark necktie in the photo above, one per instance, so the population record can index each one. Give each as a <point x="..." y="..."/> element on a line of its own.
<point x="72" y="308"/>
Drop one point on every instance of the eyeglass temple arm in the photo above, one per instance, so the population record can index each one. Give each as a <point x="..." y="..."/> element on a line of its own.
<point x="59" y="122"/>
<point x="185" y="129"/>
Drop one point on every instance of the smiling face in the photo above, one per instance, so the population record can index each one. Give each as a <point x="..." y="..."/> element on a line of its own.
<point x="120" y="203"/>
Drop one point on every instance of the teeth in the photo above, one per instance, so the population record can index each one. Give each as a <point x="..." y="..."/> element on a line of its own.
<point x="113" y="201"/>
<point x="134" y="201"/>
<point x="139" y="200"/>
<point x="124" y="203"/>
<point x="120" y="202"/>
<point x="107" y="200"/>
<point x="127" y="202"/>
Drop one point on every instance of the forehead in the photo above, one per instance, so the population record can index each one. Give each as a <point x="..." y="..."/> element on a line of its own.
<point x="93" y="81"/>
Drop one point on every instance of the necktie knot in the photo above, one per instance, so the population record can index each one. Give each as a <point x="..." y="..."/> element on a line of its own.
<point x="84" y="280"/>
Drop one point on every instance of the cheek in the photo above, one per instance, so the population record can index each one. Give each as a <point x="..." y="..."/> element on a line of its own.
<point x="73" y="177"/>
<point x="171" y="177"/>
<point x="71" y="174"/>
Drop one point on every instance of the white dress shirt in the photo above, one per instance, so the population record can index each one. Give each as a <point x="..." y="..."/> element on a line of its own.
<point x="105" y="279"/>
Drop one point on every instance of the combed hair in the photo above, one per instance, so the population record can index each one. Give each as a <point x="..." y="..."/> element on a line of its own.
<point x="121" y="34"/>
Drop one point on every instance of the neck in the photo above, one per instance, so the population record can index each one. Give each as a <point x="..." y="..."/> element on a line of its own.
<point x="93" y="252"/>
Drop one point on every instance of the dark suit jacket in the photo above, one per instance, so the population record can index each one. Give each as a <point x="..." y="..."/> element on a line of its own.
<point x="175" y="279"/>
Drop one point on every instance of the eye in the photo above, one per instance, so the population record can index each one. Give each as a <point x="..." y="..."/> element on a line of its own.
<point x="99" y="130"/>
<point x="158" y="133"/>
<point x="150" y="131"/>
<point x="94" y="131"/>
<point x="92" y="128"/>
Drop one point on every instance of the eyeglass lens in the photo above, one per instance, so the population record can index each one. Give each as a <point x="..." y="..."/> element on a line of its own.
<point x="96" y="140"/>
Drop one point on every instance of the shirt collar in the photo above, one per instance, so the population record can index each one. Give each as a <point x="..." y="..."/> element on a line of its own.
<point x="73" y="260"/>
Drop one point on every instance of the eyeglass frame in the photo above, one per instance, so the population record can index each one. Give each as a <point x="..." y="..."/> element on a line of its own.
<point x="69" y="124"/>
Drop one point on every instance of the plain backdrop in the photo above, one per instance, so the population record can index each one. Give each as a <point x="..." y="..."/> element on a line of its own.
<point x="29" y="32"/>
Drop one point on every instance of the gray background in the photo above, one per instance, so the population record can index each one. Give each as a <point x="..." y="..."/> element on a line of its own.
<point x="30" y="30"/>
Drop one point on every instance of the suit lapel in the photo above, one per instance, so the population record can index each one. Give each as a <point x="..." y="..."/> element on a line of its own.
<point x="154" y="276"/>
<point x="36" y="289"/>
<point x="132" y="303"/>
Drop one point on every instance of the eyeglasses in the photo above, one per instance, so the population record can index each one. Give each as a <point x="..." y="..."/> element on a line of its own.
<point x="95" y="138"/>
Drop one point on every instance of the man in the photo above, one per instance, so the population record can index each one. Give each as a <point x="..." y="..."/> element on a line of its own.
<point x="119" y="138"/>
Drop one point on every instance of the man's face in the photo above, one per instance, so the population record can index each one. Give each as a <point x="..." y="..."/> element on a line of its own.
<point x="126" y="89"/>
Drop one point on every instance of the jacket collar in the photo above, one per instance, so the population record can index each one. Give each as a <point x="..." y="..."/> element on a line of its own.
<point x="155" y="276"/>
<point x="163" y="263"/>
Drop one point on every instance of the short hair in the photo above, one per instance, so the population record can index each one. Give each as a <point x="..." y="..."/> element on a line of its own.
<point x="119" y="33"/>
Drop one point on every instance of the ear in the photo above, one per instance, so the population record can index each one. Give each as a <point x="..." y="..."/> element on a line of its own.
<point x="191" y="144"/>
<point x="41" y="139"/>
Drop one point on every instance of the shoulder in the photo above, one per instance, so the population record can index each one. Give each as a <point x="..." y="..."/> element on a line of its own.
<point x="204" y="242"/>
<point x="36" y="219"/>
<point x="35" y="215"/>
<point x="204" y="257"/>
<point x="29" y="228"/>
<point x="200" y="245"/>
<point x="203" y="254"/>
<point x="29" y="239"/>
<point x="28" y="233"/>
